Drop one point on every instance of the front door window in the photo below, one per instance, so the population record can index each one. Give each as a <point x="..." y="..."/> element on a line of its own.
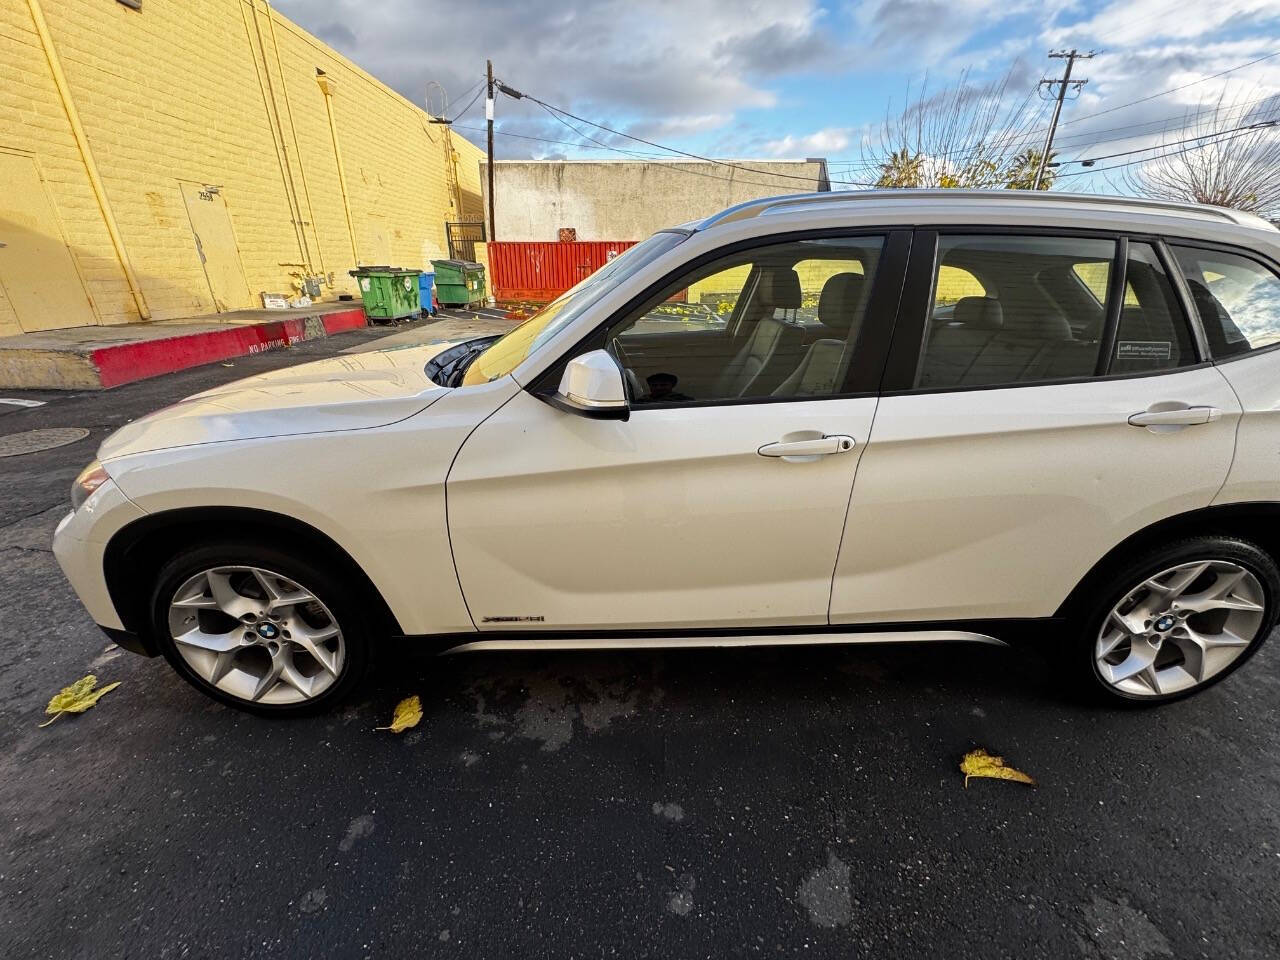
<point x="780" y="321"/>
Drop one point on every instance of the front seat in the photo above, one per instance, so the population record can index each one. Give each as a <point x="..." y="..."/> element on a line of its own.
<point x="822" y="365"/>
<point x="772" y="345"/>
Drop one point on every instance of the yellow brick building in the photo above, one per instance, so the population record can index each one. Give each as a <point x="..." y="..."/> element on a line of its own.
<point x="163" y="159"/>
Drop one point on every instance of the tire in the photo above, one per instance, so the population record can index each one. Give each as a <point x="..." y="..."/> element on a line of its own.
<point x="1211" y="643"/>
<point x="269" y="638"/>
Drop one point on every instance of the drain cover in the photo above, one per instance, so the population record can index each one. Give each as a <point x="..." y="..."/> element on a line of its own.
<point x="32" y="441"/>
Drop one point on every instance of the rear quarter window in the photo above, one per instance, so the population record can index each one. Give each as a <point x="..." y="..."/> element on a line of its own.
<point x="1236" y="296"/>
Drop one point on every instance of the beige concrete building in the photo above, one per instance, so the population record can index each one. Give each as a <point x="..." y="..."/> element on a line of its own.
<point x="164" y="159"/>
<point x="630" y="199"/>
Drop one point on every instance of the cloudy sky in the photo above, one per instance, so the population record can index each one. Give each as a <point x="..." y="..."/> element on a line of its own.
<point x="797" y="78"/>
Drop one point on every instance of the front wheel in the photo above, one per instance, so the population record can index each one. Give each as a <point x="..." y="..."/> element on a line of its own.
<point x="260" y="629"/>
<point x="1178" y="620"/>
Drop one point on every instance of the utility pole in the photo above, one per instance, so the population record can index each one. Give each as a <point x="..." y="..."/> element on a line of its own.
<point x="1071" y="56"/>
<point x="488" y="115"/>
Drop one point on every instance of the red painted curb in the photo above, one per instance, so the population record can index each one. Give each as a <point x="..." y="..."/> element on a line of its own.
<point x="151" y="358"/>
<point x="341" y="320"/>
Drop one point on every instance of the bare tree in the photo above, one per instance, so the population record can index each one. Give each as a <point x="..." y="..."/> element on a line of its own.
<point x="965" y="135"/>
<point x="1230" y="157"/>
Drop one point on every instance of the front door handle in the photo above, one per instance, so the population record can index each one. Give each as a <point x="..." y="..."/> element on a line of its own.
<point x="1180" y="417"/>
<point x="808" y="449"/>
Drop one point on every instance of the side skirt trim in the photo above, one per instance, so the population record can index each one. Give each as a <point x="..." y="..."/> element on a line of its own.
<point x="604" y="641"/>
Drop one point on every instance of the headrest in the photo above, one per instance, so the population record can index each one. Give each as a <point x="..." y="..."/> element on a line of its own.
<point x="780" y="287"/>
<point x="838" y="303"/>
<point x="1042" y="326"/>
<point x="979" y="313"/>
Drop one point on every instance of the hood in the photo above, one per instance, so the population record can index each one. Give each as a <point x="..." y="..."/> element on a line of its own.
<point x="350" y="392"/>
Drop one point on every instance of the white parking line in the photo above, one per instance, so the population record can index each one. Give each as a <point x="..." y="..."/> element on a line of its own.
<point x="22" y="403"/>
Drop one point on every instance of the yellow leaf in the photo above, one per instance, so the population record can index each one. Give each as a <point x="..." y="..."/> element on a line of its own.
<point x="979" y="763"/>
<point x="408" y="713"/>
<point x="77" y="698"/>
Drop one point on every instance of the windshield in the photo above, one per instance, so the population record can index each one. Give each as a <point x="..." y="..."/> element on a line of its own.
<point x="509" y="352"/>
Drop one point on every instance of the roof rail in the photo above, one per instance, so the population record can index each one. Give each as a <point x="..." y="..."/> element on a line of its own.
<point x="755" y="208"/>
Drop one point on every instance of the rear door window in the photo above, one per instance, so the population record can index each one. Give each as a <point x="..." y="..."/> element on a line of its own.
<point x="1021" y="309"/>
<point x="1153" y="333"/>
<point x="998" y="317"/>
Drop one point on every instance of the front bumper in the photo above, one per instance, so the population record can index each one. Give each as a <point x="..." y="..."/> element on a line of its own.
<point x="80" y="545"/>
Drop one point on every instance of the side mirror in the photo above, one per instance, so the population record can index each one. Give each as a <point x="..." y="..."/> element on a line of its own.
<point x="592" y="386"/>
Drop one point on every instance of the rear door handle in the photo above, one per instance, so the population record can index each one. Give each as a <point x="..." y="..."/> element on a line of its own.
<point x="1183" y="417"/>
<point x="808" y="449"/>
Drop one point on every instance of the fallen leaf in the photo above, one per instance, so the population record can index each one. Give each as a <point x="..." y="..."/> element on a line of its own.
<point x="77" y="698"/>
<point x="979" y="763"/>
<point x="408" y="713"/>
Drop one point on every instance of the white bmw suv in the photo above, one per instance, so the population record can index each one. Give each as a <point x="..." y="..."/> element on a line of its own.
<point x="839" y="418"/>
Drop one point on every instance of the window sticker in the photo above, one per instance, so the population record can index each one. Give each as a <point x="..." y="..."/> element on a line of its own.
<point x="1144" y="350"/>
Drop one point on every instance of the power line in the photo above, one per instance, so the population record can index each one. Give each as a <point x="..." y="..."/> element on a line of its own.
<point x="525" y="136"/>
<point x="559" y="113"/>
<point x="1162" y="93"/>
<point x="516" y="94"/>
<point x="570" y="126"/>
<point x="1089" y="135"/>
<point x="643" y="156"/>
<point x="479" y="88"/>
<point x="1178" y="121"/>
<point x="1220" y="137"/>
<point x="1161" y="146"/>
<point x="1173" y="153"/>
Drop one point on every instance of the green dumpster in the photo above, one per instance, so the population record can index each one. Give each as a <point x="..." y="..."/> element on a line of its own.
<point x="459" y="282"/>
<point x="389" y="293"/>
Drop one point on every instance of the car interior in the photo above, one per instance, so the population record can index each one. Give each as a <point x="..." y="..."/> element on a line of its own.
<point x="1029" y="309"/>
<point x="1040" y="319"/>
<point x="783" y="337"/>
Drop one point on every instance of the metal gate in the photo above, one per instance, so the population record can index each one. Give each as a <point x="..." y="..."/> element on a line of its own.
<point x="463" y="237"/>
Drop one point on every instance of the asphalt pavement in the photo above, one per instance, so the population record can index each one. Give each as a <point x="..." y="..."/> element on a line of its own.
<point x="625" y="804"/>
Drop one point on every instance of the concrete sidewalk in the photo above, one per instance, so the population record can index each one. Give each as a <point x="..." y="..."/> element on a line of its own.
<point x="96" y="358"/>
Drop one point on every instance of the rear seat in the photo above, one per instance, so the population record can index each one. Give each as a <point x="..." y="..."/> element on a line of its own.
<point x="985" y="345"/>
<point x="955" y="345"/>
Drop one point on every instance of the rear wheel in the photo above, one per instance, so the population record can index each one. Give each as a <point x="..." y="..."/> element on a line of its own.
<point x="260" y="629"/>
<point x="1179" y="619"/>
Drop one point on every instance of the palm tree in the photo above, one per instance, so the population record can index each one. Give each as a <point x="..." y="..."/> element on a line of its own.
<point x="901" y="169"/>
<point x="1022" y="173"/>
<point x="965" y="135"/>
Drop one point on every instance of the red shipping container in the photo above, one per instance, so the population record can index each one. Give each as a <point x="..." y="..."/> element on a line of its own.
<point x="520" y="270"/>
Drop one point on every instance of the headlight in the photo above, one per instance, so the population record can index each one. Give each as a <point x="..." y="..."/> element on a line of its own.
<point x="90" y="479"/>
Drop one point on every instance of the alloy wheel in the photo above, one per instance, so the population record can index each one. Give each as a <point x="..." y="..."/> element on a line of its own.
<point x="256" y="635"/>
<point x="1179" y="628"/>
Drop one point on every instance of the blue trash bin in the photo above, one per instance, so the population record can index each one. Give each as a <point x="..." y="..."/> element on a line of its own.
<point x="426" y="286"/>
